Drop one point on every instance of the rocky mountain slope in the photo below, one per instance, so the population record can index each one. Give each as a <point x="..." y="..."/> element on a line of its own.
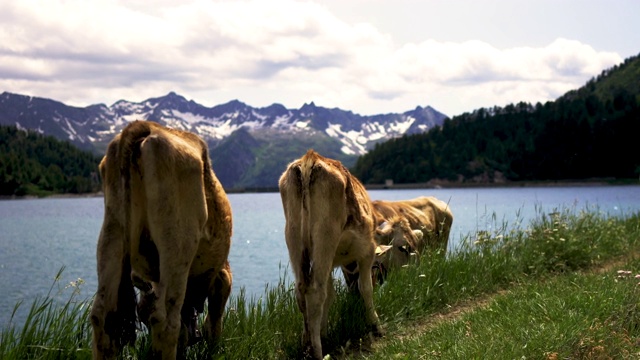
<point x="249" y="146"/>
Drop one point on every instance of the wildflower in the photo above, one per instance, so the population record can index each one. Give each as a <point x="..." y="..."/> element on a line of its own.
<point x="623" y="273"/>
<point x="75" y="284"/>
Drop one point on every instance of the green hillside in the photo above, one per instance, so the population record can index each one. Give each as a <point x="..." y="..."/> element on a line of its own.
<point x="591" y="132"/>
<point x="33" y="164"/>
<point x="248" y="160"/>
<point x="620" y="78"/>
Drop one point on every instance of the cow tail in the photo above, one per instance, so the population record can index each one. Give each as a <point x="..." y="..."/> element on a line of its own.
<point x="129" y="153"/>
<point x="129" y="148"/>
<point x="306" y="168"/>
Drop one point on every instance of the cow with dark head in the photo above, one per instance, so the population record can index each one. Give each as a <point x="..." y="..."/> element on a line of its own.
<point x="407" y="229"/>
<point x="397" y="245"/>
<point x="431" y="216"/>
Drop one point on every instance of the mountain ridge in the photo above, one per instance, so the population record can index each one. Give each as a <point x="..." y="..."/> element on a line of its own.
<point x="336" y="132"/>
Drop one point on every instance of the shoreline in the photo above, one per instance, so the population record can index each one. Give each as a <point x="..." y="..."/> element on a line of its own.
<point x="413" y="186"/>
<point x="441" y="184"/>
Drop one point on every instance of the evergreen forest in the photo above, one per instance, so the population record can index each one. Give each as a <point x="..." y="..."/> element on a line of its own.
<point x="588" y="133"/>
<point x="33" y="164"/>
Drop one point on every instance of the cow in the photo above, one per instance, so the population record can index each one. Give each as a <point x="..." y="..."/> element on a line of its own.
<point x="431" y="216"/>
<point x="406" y="228"/>
<point x="397" y="244"/>
<point x="167" y="231"/>
<point x="329" y="222"/>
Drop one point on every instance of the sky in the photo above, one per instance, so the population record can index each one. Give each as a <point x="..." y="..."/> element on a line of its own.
<point x="367" y="56"/>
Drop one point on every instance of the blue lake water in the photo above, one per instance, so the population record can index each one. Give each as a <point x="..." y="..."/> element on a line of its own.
<point x="39" y="236"/>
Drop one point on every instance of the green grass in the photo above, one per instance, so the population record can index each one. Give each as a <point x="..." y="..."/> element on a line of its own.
<point x="549" y="307"/>
<point x="572" y="316"/>
<point x="51" y="330"/>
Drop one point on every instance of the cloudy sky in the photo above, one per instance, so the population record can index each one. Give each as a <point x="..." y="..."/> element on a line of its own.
<point x="368" y="56"/>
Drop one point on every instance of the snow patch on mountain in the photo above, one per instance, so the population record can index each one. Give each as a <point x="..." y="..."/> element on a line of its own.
<point x="402" y="127"/>
<point x="125" y="119"/>
<point x="353" y="141"/>
<point x="282" y="121"/>
<point x="100" y="123"/>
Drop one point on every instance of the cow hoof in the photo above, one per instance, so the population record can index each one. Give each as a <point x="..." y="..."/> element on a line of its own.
<point x="191" y="325"/>
<point x="310" y="354"/>
<point x="377" y="330"/>
<point x="195" y="338"/>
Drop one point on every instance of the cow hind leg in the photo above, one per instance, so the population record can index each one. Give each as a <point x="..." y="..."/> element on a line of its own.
<point x="365" y="287"/>
<point x="113" y="311"/>
<point x="177" y="244"/>
<point x="316" y="298"/>
<point x="165" y="319"/>
<point x="219" y="292"/>
<point x="301" y="290"/>
<point x="301" y="267"/>
<point x="331" y="294"/>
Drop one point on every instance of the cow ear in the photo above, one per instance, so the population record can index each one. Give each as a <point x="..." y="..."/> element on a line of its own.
<point x="384" y="228"/>
<point x="419" y="234"/>
<point x="381" y="249"/>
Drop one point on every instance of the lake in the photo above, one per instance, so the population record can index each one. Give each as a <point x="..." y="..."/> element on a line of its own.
<point x="40" y="236"/>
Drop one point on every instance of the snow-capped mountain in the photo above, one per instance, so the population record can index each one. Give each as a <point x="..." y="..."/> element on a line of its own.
<point x="339" y="133"/>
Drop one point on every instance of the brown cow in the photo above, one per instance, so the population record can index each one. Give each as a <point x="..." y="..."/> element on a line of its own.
<point x="431" y="216"/>
<point x="166" y="229"/>
<point x="329" y="223"/>
<point x="397" y="244"/>
<point x="406" y="228"/>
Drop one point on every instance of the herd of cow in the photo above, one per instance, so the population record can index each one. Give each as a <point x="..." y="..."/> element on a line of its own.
<point x="167" y="233"/>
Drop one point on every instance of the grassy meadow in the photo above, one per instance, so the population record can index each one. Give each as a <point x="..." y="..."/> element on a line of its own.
<point x="563" y="287"/>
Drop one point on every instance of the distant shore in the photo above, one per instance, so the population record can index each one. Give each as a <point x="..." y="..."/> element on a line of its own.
<point x="443" y="184"/>
<point x="439" y="184"/>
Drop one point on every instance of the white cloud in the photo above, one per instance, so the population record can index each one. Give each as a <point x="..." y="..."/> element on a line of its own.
<point x="262" y="52"/>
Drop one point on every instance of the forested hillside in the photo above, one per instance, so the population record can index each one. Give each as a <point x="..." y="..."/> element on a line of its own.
<point x="33" y="164"/>
<point x="591" y="132"/>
